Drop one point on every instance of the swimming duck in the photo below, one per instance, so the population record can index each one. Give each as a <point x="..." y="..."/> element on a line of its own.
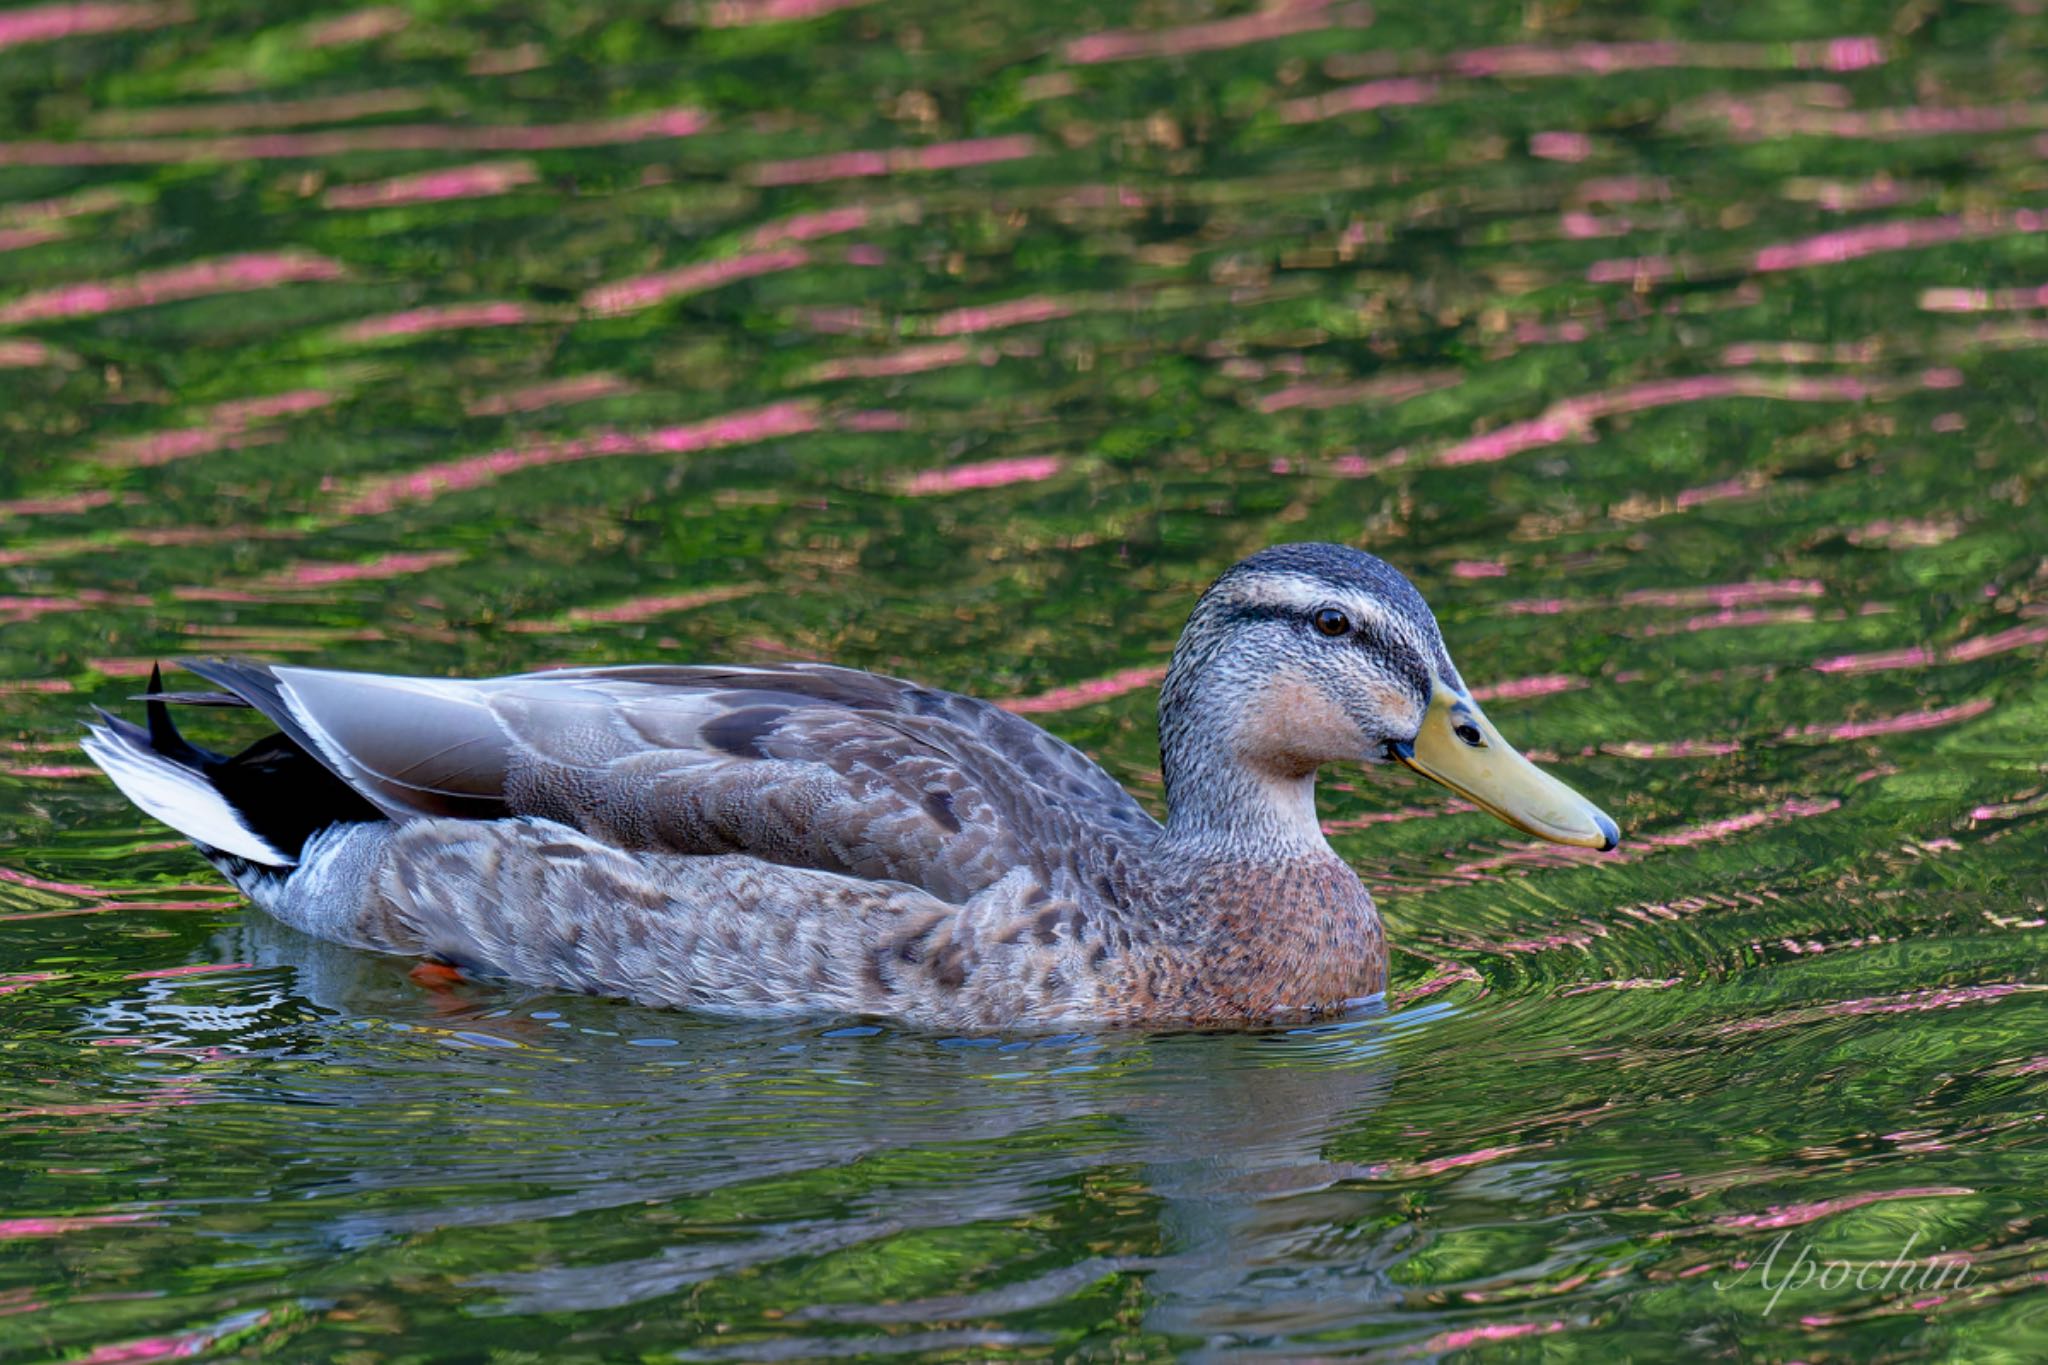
<point x="804" y="839"/>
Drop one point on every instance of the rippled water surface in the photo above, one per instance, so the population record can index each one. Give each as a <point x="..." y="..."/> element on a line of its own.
<point x="1689" y="361"/>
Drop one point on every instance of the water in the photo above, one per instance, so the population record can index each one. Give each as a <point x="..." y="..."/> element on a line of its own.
<point x="1690" y="363"/>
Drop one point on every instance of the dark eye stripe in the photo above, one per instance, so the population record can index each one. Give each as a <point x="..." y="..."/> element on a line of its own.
<point x="1393" y="651"/>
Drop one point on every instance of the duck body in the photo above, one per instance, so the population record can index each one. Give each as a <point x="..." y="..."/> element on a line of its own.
<point x="807" y="839"/>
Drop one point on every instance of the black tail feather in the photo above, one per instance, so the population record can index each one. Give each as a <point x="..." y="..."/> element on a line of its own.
<point x="163" y="731"/>
<point x="276" y="786"/>
<point x="258" y="687"/>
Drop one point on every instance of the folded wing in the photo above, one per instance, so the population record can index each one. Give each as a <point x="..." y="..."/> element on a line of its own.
<point x="804" y="765"/>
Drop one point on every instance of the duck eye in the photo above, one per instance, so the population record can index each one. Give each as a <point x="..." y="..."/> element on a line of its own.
<point x="1330" y="621"/>
<point x="1469" y="733"/>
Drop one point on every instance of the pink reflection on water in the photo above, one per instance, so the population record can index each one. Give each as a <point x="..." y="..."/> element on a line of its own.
<point x="1715" y="830"/>
<point x="1354" y="466"/>
<point x="1438" y="1165"/>
<point x="384" y="566"/>
<point x="1894" y="725"/>
<point x="1601" y="59"/>
<point x="1633" y="983"/>
<point x="1740" y="486"/>
<point x="17" y="609"/>
<point x="392" y="137"/>
<point x="1560" y="146"/>
<point x="1530" y="332"/>
<point x="2013" y="809"/>
<point x="1465" y="1338"/>
<point x="808" y="227"/>
<point x="200" y="279"/>
<point x="58" y="1225"/>
<point x="83" y="204"/>
<point x="1572" y="417"/>
<point x="938" y="156"/>
<point x="907" y="360"/>
<point x="1726" y="594"/>
<point x="1794" y="1215"/>
<point x="1860" y="196"/>
<point x="1479" y="568"/>
<point x="1909" y="1002"/>
<point x="1848" y="244"/>
<point x="1278" y="19"/>
<point x="357" y="26"/>
<point x="1673" y="748"/>
<point x="1579" y="225"/>
<point x="988" y="474"/>
<point x="636" y="609"/>
<point x="1983" y="300"/>
<point x="58" y="504"/>
<point x="1920" y="656"/>
<point x="21" y="238"/>
<point x="1635" y="845"/>
<point x="22" y="353"/>
<point x="1516" y="689"/>
<point x="243" y="115"/>
<point x="477" y="181"/>
<point x="34" y="883"/>
<point x="161" y="447"/>
<point x="307" y="574"/>
<point x="1358" y="99"/>
<point x="582" y="388"/>
<point x="1727" y="619"/>
<point x="474" y="471"/>
<point x="177" y="1346"/>
<point x="47" y="23"/>
<point x="224" y="426"/>
<point x="746" y="13"/>
<point x="444" y="318"/>
<point x="1744" y="353"/>
<point x="646" y="291"/>
<point x="994" y="316"/>
<point x="1622" y="189"/>
<point x="1908" y="532"/>
<point x="1777" y="119"/>
<point x="1636" y="270"/>
<point x="1087" y="693"/>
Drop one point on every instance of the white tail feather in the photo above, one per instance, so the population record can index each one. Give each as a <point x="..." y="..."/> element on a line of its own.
<point x="179" y="797"/>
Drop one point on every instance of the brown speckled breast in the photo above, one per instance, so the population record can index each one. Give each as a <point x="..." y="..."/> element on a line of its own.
<point x="1247" y="941"/>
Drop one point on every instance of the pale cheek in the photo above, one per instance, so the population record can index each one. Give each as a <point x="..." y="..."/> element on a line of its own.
<point x="1295" y="724"/>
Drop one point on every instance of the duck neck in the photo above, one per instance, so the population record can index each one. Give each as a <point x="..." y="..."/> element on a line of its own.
<point x="1222" y="800"/>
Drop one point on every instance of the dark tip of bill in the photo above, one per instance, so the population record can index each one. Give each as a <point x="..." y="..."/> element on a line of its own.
<point x="1609" y="831"/>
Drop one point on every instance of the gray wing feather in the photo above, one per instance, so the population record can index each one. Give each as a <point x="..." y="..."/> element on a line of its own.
<point x="803" y="765"/>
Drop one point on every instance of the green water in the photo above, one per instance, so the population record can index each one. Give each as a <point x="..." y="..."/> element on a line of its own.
<point x="1688" y="361"/>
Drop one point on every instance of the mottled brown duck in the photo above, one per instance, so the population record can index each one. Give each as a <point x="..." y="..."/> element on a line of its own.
<point x="803" y="839"/>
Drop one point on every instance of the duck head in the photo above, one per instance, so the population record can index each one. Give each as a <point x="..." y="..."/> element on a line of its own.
<point x="1309" y="654"/>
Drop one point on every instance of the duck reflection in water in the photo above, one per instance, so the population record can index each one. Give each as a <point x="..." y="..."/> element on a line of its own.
<point x="1196" y="1165"/>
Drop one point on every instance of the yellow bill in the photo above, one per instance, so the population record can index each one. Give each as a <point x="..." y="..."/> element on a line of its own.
<point x="1459" y="747"/>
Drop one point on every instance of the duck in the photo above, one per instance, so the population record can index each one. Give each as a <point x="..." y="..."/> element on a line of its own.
<point x="802" y="839"/>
